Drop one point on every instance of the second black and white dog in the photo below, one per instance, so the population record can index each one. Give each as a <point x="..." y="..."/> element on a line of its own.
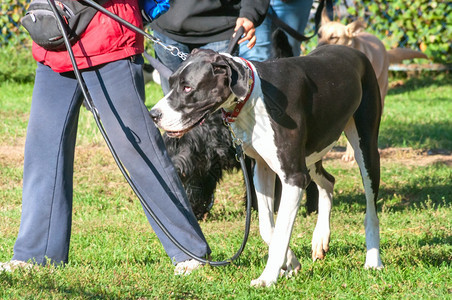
<point x="289" y="113"/>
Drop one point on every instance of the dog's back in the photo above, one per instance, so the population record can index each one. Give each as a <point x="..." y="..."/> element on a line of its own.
<point x="320" y="67"/>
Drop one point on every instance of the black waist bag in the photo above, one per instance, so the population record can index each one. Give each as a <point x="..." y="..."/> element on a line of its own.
<point x="40" y="21"/>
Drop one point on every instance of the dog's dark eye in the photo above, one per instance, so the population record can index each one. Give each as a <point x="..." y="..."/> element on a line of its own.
<point x="187" y="89"/>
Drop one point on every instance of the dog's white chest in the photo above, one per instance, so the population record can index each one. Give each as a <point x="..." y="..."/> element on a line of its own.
<point x="253" y="127"/>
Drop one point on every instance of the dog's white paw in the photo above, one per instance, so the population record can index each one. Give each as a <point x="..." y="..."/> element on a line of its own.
<point x="13" y="265"/>
<point x="290" y="271"/>
<point x="377" y="266"/>
<point x="262" y="282"/>
<point x="349" y="154"/>
<point x="292" y="265"/>
<point x="348" y="157"/>
<point x="320" y="243"/>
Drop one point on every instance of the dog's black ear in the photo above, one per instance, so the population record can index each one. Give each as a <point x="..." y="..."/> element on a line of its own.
<point x="238" y="77"/>
<point x="220" y="68"/>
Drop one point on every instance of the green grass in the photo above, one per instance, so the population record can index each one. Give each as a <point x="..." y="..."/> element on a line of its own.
<point x="418" y="115"/>
<point x="114" y="253"/>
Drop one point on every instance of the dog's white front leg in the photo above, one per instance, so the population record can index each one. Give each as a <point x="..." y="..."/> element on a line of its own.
<point x="290" y="200"/>
<point x="321" y="236"/>
<point x="264" y="182"/>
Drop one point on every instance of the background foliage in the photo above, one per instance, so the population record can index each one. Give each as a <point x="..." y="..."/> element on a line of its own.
<point x="12" y="33"/>
<point x="417" y="24"/>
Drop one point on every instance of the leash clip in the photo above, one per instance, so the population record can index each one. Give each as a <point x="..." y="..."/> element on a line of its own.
<point x="236" y="142"/>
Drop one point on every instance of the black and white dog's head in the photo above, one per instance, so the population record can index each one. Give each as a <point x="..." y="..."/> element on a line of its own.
<point x="205" y="82"/>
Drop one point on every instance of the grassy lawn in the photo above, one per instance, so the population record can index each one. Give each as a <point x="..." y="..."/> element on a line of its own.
<point x="114" y="253"/>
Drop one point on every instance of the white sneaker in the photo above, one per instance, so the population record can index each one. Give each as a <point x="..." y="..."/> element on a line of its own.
<point x="12" y="265"/>
<point x="186" y="267"/>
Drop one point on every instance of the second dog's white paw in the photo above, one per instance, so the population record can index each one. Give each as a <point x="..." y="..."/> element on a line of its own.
<point x="377" y="266"/>
<point x="349" y="154"/>
<point x="320" y="243"/>
<point x="291" y="267"/>
<point x="289" y="272"/>
<point x="186" y="267"/>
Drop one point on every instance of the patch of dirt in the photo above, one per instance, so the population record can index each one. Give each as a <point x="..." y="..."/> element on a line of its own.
<point x="13" y="155"/>
<point x="405" y="156"/>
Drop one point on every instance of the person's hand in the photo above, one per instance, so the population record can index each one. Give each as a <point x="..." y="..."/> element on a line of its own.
<point x="250" y="31"/>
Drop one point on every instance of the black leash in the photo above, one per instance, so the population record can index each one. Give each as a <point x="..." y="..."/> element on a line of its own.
<point x="92" y="108"/>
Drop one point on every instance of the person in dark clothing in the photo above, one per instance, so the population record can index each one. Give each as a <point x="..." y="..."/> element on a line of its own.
<point x="190" y="24"/>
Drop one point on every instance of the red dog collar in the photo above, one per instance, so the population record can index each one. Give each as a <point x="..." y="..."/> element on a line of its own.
<point x="231" y="116"/>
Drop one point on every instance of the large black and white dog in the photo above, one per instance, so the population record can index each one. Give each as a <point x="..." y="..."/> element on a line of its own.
<point x="292" y="111"/>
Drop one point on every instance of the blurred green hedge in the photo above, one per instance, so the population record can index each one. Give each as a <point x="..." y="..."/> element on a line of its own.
<point x="12" y="33"/>
<point x="416" y="24"/>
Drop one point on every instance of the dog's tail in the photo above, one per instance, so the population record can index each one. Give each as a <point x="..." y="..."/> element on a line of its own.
<point x="397" y="55"/>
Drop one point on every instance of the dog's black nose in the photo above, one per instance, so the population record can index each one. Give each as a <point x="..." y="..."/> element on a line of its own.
<point x="156" y="114"/>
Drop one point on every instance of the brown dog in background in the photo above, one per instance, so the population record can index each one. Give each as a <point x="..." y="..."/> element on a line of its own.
<point x="353" y="35"/>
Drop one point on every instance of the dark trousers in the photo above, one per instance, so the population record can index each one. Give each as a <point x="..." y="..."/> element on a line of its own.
<point x="117" y="90"/>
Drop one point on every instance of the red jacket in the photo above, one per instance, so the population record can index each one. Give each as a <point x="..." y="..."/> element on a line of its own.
<point x="104" y="40"/>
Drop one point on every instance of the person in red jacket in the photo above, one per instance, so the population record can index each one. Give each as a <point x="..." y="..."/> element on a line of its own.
<point x="109" y="56"/>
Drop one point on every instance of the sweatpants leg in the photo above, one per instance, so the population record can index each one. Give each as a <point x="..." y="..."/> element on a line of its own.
<point x="45" y="226"/>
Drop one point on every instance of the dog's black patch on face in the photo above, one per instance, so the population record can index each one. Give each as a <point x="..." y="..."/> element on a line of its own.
<point x="200" y="85"/>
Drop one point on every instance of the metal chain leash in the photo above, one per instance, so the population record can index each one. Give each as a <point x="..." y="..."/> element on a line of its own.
<point x="171" y="49"/>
